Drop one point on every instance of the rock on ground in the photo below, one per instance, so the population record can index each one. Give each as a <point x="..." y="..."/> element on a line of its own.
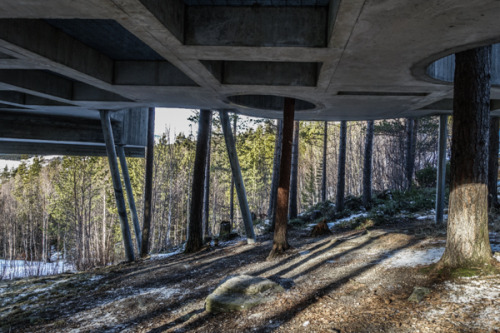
<point x="240" y="293"/>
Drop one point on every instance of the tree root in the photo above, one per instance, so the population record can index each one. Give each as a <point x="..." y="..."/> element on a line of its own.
<point x="278" y="250"/>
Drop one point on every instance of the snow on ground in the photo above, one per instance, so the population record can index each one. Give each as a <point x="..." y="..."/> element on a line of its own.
<point x="11" y="269"/>
<point x="158" y="256"/>
<point x="410" y="257"/>
<point x="476" y="297"/>
<point x="345" y="219"/>
<point x="112" y="314"/>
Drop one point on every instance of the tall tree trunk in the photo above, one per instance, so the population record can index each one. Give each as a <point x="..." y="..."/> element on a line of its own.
<point x="410" y="158"/>
<point x="341" y="167"/>
<point x="195" y="229"/>
<point x="231" y="198"/>
<point x="280" y="240"/>
<point x="467" y="242"/>
<point x="367" y="167"/>
<point x="206" y="187"/>
<point x="493" y="164"/>
<point x="271" y="213"/>
<point x="294" y="171"/>
<point x="323" y="171"/>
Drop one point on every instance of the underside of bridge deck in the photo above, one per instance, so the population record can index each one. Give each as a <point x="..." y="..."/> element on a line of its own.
<point x="341" y="60"/>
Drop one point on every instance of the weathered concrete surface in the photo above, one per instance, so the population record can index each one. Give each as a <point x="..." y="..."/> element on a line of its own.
<point x="353" y="60"/>
<point x="240" y="293"/>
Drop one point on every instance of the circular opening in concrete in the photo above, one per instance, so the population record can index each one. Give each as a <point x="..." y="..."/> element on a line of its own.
<point x="268" y="102"/>
<point x="444" y="69"/>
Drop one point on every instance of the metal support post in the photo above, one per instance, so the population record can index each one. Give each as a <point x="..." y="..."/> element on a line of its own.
<point x="441" y="169"/>
<point x="130" y="194"/>
<point x="117" y="185"/>
<point x="148" y="184"/>
<point x="238" y="178"/>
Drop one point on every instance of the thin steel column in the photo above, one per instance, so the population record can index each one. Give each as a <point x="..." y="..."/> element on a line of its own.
<point x="238" y="178"/>
<point x="441" y="169"/>
<point x="117" y="185"/>
<point x="130" y="194"/>
<point x="148" y="184"/>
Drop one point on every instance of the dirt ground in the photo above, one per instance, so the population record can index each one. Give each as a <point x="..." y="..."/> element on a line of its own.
<point x="351" y="281"/>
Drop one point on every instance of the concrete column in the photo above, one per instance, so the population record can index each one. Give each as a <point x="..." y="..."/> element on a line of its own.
<point x="117" y="185"/>
<point x="238" y="178"/>
<point x="441" y="168"/>
<point x="130" y="194"/>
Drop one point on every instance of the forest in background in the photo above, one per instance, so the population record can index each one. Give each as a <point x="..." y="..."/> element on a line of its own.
<point x="67" y="204"/>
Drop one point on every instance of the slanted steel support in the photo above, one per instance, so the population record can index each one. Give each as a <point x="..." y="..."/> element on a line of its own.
<point x="117" y="185"/>
<point x="148" y="184"/>
<point x="238" y="178"/>
<point x="441" y="168"/>
<point x="130" y="194"/>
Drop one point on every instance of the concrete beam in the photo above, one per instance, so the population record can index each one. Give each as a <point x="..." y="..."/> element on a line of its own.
<point x="41" y="38"/>
<point x="256" y="26"/>
<point x="53" y="84"/>
<point x="170" y="13"/>
<point x="22" y="99"/>
<point x="265" y="73"/>
<point x="149" y="73"/>
<point x="18" y="125"/>
<point x="44" y="147"/>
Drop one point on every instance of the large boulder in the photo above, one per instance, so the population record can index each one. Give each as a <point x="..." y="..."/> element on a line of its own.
<point x="241" y="292"/>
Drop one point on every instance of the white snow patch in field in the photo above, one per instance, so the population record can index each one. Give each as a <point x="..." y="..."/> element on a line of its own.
<point x="476" y="297"/>
<point x="10" y="269"/>
<point x="112" y="314"/>
<point x="410" y="258"/>
<point x="345" y="219"/>
<point x="472" y="290"/>
<point x="158" y="256"/>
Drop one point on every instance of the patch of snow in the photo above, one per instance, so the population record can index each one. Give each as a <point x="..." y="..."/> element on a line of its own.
<point x="158" y="256"/>
<point x="345" y="219"/>
<point x="411" y="258"/>
<point x="110" y="314"/>
<point x="471" y="291"/>
<point x="306" y="323"/>
<point x="10" y="269"/>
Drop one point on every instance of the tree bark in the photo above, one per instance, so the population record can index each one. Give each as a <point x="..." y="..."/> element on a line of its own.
<point x="271" y="213"/>
<point x="294" y="171"/>
<point x="323" y="171"/>
<point x="280" y="240"/>
<point x="341" y="167"/>
<point x="206" y="187"/>
<point x="194" y="240"/>
<point x="148" y="184"/>
<point x="367" y="167"/>
<point x="410" y="157"/>
<point x="493" y="164"/>
<point x="467" y="243"/>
